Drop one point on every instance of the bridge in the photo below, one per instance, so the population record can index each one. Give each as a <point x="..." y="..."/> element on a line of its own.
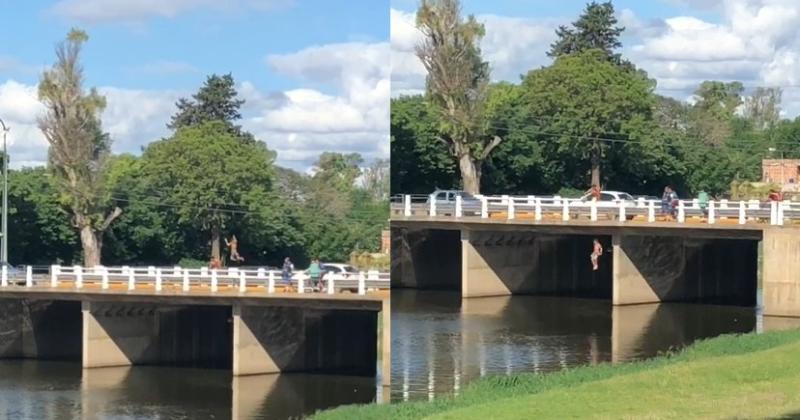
<point x="499" y="245"/>
<point x="247" y="321"/>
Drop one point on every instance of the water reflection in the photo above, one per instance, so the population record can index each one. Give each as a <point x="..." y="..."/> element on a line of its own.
<point x="441" y="342"/>
<point x="61" y="390"/>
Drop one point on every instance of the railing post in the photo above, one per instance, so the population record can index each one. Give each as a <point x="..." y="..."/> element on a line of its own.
<point x="78" y="276"/>
<point x="458" y="206"/>
<point x="362" y="289"/>
<point x="214" y="280"/>
<point x="261" y="276"/>
<point x="537" y="211"/>
<point x="780" y="213"/>
<point x="742" y="218"/>
<point x="301" y="284"/>
<point x="54" y="273"/>
<point x="681" y="212"/>
<point x="622" y="215"/>
<point x="531" y="199"/>
<point x="565" y="211"/>
<point x="4" y="275"/>
<point x="158" y="280"/>
<point x="203" y="271"/>
<point x="640" y="202"/>
<point x="271" y="282"/>
<point x="176" y="270"/>
<point x="186" y="280"/>
<point x="651" y="211"/>
<point x="511" y="214"/>
<point x="593" y="210"/>
<point x="711" y="212"/>
<point x="242" y="282"/>
<point x="407" y="205"/>
<point x="484" y="208"/>
<point x="131" y="279"/>
<point x="28" y="276"/>
<point x="331" y="284"/>
<point x="151" y="271"/>
<point x="104" y="283"/>
<point x="773" y="213"/>
<point x="432" y="206"/>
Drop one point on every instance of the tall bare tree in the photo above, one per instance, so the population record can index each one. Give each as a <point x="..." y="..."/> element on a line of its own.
<point x="457" y="83"/>
<point x="78" y="146"/>
<point x="763" y="107"/>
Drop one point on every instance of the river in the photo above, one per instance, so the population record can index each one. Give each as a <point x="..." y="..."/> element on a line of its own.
<point x="62" y="390"/>
<point x="441" y="342"/>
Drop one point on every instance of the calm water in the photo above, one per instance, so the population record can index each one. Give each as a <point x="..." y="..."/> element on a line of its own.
<point x="62" y="390"/>
<point x="440" y="343"/>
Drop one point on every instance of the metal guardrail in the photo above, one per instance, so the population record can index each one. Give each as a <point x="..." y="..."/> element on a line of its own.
<point x="566" y="209"/>
<point x="55" y="276"/>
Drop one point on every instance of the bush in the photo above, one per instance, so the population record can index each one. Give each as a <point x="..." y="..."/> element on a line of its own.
<point x="568" y="192"/>
<point x="744" y="190"/>
<point x="369" y="261"/>
<point x="192" y="263"/>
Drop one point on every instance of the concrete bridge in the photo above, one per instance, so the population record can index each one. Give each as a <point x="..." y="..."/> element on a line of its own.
<point x="249" y="330"/>
<point x="517" y="245"/>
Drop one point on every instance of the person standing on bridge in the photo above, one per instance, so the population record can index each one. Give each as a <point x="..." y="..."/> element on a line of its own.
<point x="597" y="251"/>
<point x="286" y="273"/>
<point x="314" y="272"/>
<point x="594" y="192"/>
<point x="666" y="201"/>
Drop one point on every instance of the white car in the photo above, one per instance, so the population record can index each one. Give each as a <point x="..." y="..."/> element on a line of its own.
<point x="612" y="196"/>
<point x="336" y="268"/>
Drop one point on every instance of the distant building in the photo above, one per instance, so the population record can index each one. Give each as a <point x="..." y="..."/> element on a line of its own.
<point x="785" y="172"/>
<point x="386" y="241"/>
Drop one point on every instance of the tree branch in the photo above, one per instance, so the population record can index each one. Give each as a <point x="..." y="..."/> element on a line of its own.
<point x="489" y="147"/>
<point x="110" y="219"/>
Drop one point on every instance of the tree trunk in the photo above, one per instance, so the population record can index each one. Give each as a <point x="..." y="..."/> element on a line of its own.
<point x="596" y="166"/>
<point x="91" y="246"/>
<point x="215" y="241"/>
<point x="470" y="175"/>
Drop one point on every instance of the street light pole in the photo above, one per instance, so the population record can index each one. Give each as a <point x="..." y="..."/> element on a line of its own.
<point x="4" y="239"/>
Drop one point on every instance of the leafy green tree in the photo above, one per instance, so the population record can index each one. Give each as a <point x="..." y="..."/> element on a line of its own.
<point x="714" y="110"/>
<point x="38" y="227"/>
<point x="457" y="84"/>
<point x="584" y="103"/>
<point x="763" y="107"/>
<point x="209" y="176"/>
<point x="78" y="146"/>
<point x="596" y="28"/>
<point x="376" y="179"/>
<point x="216" y="100"/>
<point x="420" y="160"/>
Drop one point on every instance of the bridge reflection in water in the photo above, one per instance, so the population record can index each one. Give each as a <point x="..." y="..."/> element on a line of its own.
<point x="53" y="390"/>
<point x="441" y="342"/>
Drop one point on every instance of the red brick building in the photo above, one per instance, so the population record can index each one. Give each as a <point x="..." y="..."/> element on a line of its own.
<point x="781" y="171"/>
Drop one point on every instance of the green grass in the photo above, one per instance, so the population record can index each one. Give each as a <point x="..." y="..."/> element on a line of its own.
<point x="728" y="376"/>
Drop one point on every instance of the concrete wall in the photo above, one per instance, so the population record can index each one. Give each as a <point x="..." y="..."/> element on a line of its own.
<point x="120" y="334"/>
<point x="649" y="269"/>
<point x="426" y="259"/>
<point x="502" y="263"/>
<point x="781" y="273"/>
<point x="284" y="339"/>
<point x="41" y="329"/>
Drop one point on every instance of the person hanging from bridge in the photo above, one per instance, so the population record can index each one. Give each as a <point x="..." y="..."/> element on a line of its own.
<point x="597" y="251"/>
<point x="234" y="246"/>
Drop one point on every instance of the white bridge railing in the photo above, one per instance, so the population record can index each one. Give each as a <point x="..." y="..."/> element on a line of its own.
<point x="130" y="278"/>
<point x="566" y="209"/>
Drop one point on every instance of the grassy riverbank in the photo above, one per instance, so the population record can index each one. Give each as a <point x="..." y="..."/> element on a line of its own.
<point x="730" y="376"/>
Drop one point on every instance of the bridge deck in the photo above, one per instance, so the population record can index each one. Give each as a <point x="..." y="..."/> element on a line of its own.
<point x="721" y="229"/>
<point x="198" y="296"/>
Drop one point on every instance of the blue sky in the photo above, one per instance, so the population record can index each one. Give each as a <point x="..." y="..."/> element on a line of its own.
<point x="292" y="60"/>
<point x="680" y="43"/>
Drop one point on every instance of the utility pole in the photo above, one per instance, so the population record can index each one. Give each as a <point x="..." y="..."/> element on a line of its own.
<point x="4" y="239"/>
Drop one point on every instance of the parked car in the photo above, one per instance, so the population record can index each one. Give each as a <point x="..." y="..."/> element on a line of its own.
<point x="16" y="274"/>
<point x="470" y="204"/>
<point x="612" y="199"/>
<point x="336" y="268"/>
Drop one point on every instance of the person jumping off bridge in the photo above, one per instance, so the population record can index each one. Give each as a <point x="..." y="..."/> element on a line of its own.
<point x="234" y="246"/>
<point x="597" y="251"/>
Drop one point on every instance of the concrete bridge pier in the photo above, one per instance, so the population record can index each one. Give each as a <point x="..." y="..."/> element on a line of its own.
<point x="652" y="269"/>
<point x="781" y="272"/>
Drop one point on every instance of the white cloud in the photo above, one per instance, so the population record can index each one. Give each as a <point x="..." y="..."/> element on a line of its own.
<point x="103" y="11"/>
<point x="299" y="124"/>
<point x="754" y="41"/>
